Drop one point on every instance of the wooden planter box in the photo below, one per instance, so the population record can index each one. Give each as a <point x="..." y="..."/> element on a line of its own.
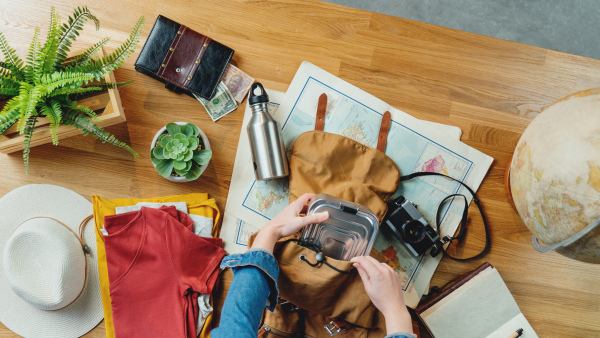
<point x="106" y="104"/>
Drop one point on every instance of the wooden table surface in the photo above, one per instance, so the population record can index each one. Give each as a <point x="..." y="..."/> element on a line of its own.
<point x="488" y="87"/>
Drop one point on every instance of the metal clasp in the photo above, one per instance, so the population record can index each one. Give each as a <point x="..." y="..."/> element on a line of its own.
<point x="333" y="328"/>
<point x="349" y="208"/>
<point x="287" y="306"/>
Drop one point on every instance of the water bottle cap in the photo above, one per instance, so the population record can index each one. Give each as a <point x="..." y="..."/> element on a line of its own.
<point x="261" y="97"/>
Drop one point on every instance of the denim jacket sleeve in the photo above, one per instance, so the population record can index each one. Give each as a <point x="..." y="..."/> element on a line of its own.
<point x="254" y="285"/>
<point x="401" y="335"/>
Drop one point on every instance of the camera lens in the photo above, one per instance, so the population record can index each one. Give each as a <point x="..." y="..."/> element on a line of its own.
<point x="413" y="231"/>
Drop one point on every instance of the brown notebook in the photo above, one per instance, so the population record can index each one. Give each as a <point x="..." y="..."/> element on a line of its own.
<point x="477" y="305"/>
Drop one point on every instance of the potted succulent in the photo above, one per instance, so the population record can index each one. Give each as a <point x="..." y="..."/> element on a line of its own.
<point x="180" y="152"/>
<point x="49" y="84"/>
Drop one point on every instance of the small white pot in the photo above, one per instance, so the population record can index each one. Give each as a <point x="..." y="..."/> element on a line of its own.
<point x="206" y="145"/>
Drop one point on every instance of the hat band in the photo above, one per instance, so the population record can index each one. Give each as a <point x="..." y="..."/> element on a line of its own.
<point x="85" y="248"/>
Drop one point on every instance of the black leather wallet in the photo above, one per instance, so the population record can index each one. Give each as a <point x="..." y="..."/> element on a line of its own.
<point x="185" y="60"/>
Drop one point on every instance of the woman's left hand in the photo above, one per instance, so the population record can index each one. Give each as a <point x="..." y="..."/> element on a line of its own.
<point x="287" y="223"/>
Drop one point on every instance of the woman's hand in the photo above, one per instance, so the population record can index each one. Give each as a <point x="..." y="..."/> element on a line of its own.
<point x="287" y="223"/>
<point x="383" y="286"/>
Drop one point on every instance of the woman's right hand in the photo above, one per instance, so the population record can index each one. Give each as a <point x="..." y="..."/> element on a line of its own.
<point x="383" y="285"/>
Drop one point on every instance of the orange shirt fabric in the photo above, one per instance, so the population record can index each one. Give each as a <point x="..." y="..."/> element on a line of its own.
<point x="157" y="267"/>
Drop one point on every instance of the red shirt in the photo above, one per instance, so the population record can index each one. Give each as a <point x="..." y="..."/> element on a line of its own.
<point x="156" y="268"/>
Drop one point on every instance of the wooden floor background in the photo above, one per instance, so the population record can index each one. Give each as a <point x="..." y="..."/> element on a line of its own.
<point x="488" y="87"/>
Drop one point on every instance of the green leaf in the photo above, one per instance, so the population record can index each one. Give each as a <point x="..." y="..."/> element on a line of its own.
<point x="179" y="165"/>
<point x="164" y="139"/>
<point x="202" y="156"/>
<point x="87" y="126"/>
<point x="180" y="137"/>
<point x="31" y="69"/>
<point x="158" y="153"/>
<point x="114" y="59"/>
<point x="10" y="55"/>
<point x="187" y="130"/>
<point x="195" y="130"/>
<point x="172" y="129"/>
<point x="48" y="54"/>
<point x="194" y="172"/>
<point x="181" y="172"/>
<point x="69" y="32"/>
<point x="87" y="55"/>
<point x="188" y="156"/>
<point x="194" y="142"/>
<point x="165" y="168"/>
<point x="28" y="135"/>
<point x="154" y="159"/>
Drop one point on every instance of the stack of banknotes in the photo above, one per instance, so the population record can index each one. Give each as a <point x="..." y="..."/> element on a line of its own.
<point x="231" y="91"/>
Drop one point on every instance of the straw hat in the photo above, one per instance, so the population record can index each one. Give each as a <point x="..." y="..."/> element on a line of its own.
<point x="49" y="286"/>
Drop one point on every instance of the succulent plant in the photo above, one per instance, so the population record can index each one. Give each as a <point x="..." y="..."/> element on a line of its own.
<point x="179" y="152"/>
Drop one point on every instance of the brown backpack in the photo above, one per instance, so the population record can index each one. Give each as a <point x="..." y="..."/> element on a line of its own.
<point x="318" y="301"/>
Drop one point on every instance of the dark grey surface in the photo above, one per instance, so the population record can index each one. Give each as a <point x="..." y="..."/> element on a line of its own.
<point x="571" y="26"/>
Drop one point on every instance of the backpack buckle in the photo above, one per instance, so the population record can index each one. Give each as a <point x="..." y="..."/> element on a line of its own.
<point x="334" y="327"/>
<point x="287" y="306"/>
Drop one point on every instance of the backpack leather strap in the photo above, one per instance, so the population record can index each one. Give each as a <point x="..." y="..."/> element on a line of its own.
<point x="386" y="120"/>
<point x="321" y="108"/>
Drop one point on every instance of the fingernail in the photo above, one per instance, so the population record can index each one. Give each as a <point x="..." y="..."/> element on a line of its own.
<point x="324" y="215"/>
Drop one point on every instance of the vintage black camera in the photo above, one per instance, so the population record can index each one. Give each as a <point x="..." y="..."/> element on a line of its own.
<point x="409" y="226"/>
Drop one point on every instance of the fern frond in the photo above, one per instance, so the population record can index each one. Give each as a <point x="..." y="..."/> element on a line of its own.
<point x="61" y="79"/>
<point x="50" y="48"/>
<point x="88" y="54"/>
<point x="9" y="91"/>
<point x="111" y="85"/>
<point x="10" y="55"/>
<point x="86" y="110"/>
<point x="11" y="111"/>
<point x="8" y="71"/>
<point x="70" y="31"/>
<point x="54" y="115"/>
<point x="116" y="58"/>
<point x="30" y="97"/>
<point x="28" y="135"/>
<point x="32" y="56"/>
<point x="74" y="91"/>
<point x="87" y="126"/>
<point x="5" y="126"/>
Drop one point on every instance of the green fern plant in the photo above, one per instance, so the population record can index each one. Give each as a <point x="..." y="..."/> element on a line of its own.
<point x="48" y="84"/>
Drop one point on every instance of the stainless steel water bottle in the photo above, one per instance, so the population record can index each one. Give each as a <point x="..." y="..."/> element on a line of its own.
<point x="266" y="143"/>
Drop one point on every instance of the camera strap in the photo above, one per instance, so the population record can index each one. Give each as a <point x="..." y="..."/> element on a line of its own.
<point x="463" y="223"/>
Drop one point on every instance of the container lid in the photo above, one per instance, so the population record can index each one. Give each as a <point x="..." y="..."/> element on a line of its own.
<point x="254" y="98"/>
<point x="349" y="231"/>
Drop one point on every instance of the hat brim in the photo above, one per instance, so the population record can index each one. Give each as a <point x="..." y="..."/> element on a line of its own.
<point x="71" y="209"/>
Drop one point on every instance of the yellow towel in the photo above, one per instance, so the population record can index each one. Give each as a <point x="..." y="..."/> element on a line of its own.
<point x="198" y="204"/>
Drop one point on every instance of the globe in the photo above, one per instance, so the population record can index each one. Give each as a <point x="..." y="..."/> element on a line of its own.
<point x="555" y="177"/>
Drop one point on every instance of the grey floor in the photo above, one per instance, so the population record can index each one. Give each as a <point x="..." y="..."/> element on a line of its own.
<point x="571" y="26"/>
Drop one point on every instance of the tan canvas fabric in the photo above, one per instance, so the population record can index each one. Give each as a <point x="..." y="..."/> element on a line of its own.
<point x="328" y="163"/>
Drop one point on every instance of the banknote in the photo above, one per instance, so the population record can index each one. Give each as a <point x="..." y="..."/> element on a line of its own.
<point x="237" y="81"/>
<point x="221" y="104"/>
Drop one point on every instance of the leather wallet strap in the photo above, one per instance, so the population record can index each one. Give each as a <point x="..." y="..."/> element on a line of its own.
<point x="184" y="57"/>
<point x="383" y="131"/>
<point x="321" y="109"/>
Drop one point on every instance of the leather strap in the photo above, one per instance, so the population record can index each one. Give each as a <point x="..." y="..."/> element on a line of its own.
<point x="321" y="109"/>
<point x="383" y="131"/>
<point x="184" y="57"/>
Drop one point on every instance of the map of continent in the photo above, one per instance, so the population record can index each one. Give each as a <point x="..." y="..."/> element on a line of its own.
<point x="268" y="198"/>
